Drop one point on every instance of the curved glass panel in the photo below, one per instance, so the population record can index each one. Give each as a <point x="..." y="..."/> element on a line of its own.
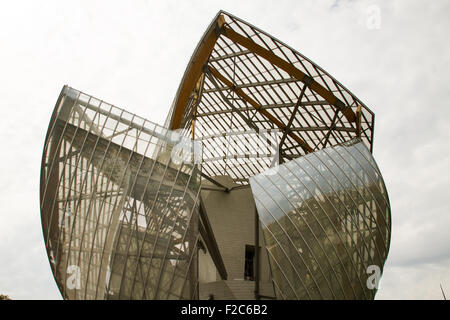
<point x="118" y="204"/>
<point x="119" y="195"/>
<point x="242" y="79"/>
<point x="326" y="222"/>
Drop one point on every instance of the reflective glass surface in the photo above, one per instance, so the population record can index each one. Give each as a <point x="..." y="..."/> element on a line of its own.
<point x="118" y="204"/>
<point x="326" y="222"/>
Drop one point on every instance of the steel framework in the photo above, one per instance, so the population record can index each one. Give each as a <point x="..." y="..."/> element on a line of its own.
<point x="121" y="206"/>
<point x="241" y="78"/>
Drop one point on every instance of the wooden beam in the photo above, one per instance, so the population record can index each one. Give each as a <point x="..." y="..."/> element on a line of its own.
<point x="198" y="88"/>
<point x="249" y="123"/>
<point x="194" y="71"/>
<point x="291" y="119"/>
<point x="258" y="107"/>
<point x="291" y="70"/>
<point x="358" y="121"/>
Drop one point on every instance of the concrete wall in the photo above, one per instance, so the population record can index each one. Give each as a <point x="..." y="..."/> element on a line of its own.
<point x="232" y="218"/>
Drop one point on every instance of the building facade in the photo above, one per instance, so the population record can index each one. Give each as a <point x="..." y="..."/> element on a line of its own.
<point x="260" y="185"/>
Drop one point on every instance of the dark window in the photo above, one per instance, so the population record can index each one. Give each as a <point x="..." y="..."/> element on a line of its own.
<point x="249" y="266"/>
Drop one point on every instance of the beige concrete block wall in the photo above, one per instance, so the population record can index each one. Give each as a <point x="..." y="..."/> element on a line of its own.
<point x="232" y="219"/>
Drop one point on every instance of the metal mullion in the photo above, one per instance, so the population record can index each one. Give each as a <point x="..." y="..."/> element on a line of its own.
<point x="284" y="115"/>
<point x="225" y="99"/>
<point x="112" y="204"/>
<point x="234" y="175"/>
<point x="244" y="73"/>
<point x="261" y="83"/>
<point x="211" y="147"/>
<point x="262" y="75"/>
<point x="338" y="87"/>
<point x="157" y="193"/>
<point x="219" y="64"/>
<point x="276" y="287"/>
<point x="267" y="115"/>
<point x="214" y="165"/>
<point x="307" y="131"/>
<point x="257" y="34"/>
<point x="207" y="107"/>
<point x="63" y="184"/>
<point x="183" y="237"/>
<point x="288" y="97"/>
<point x="212" y="130"/>
<point x="243" y="166"/>
<point x="210" y="125"/>
<point x="258" y="170"/>
<point x="247" y="165"/>
<point x="286" y="234"/>
<point x="253" y="93"/>
<point x="306" y="222"/>
<point x="323" y="80"/>
<point x="292" y="156"/>
<point x="337" y="211"/>
<point x="216" y="148"/>
<point x="60" y="178"/>
<point x="229" y="46"/>
<point x="310" y="115"/>
<point x="341" y="119"/>
<point x="313" y="118"/>
<point x="338" y="135"/>
<point x="355" y="187"/>
<point x="275" y="92"/>
<point x="209" y="167"/>
<point x="331" y="128"/>
<point x="232" y="115"/>
<point x="269" y="253"/>
<point x="325" y="74"/>
<point x="225" y="61"/>
<point x="161" y="269"/>
<point x="91" y="199"/>
<point x="383" y="192"/>
<point x="303" y="65"/>
<point x="190" y="264"/>
<point x="51" y="167"/>
<point x="104" y="200"/>
<point x="53" y="121"/>
<point x="136" y="229"/>
<point x="216" y="97"/>
<point x="370" y="125"/>
<point x="244" y="153"/>
<point x="217" y="120"/>
<point x="83" y="182"/>
<point x="292" y="117"/>
<point x="306" y="287"/>
<point x="377" y="170"/>
<point x="322" y="107"/>
<point x="220" y="120"/>
<point x="223" y="57"/>
<point x="88" y="164"/>
<point x="301" y="114"/>
<point x="233" y="172"/>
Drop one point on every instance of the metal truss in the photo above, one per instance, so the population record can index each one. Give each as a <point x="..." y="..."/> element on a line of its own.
<point x="122" y="214"/>
<point x="240" y="77"/>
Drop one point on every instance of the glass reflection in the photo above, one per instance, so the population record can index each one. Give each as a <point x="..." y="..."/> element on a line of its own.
<point x="326" y="219"/>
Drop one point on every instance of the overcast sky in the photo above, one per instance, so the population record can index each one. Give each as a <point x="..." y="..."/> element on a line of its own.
<point x="394" y="55"/>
